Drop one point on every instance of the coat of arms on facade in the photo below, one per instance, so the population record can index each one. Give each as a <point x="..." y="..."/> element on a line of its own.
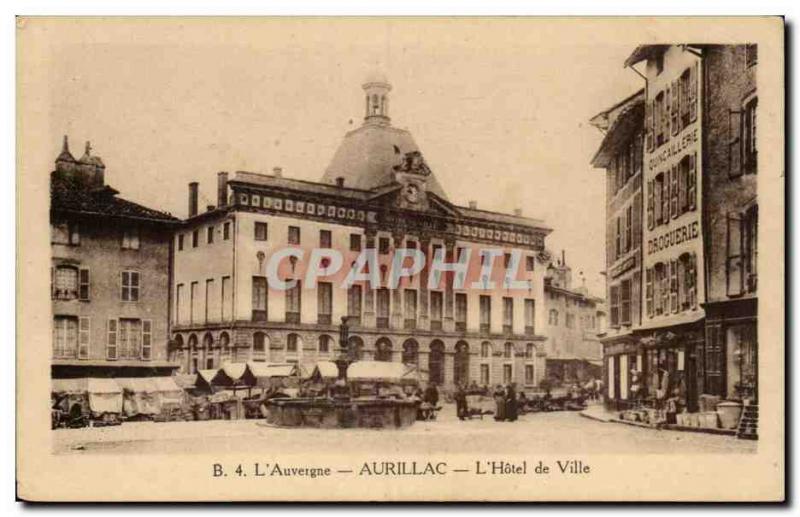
<point x="413" y="163"/>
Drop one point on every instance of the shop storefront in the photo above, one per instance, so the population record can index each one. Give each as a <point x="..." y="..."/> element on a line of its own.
<point x="731" y="351"/>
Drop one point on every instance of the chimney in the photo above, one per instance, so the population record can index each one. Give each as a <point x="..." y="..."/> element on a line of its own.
<point x="340" y="181"/>
<point x="473" y="204"/>
<point x="277" y="172"/>
<point x="518" y="212"/>
<point x="192" y="199"/>
<point x="222" y="189"/>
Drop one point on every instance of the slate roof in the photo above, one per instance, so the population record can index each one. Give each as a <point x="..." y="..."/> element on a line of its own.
<point x="68" y="196"/>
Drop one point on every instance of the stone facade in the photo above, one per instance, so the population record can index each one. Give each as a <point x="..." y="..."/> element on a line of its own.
<point x="378" y="194"/>
<point x="110" y="277"/>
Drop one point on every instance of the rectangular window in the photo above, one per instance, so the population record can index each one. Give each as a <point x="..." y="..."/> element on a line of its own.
<point x="65" y="337"/>
<point x="628" y="228"/>
<point x="147" y="339"/>
<point x="508" y="315"/>
<point x="658" y="185"/>
<point x="178" y="299"/>
<point x="461" y="312"/>
<point x="485" y="307"/>
<point x="210" y="235"/>
<point x="665" y="197"/>
<point x="750" y="154"/>
<point x="180" y="242"/>
<point x="224" y="296"/>
<point x="325" y="238"/>
<point x="674" y="194"/>
<point x="530" y="261"/>
<point x="529" y="374"/>
<point x="410" y="299"/>
<point x="192" y="298"/>
<point x="226" y="231"/>
<point x="260" y="231"/>
<point x="625" y="302"/>
<point x="733" y="265"/>
<point x="324" y="303"/>
<point x="436" y="310"/>
<point x="195" y="238"/>
<point x="618" y="238"/>
<point x="675" y="109"/>
<point x="614" y="305"/>
<point x="355" y="242"/>
<point x="111" y="339"/>
<point x="691" y="182"/>
<point x="506" y="260"/>
<point x="484" y="374"/>
<point x="294" y="235"/>
<point x="383" y="245"/>
<point x="530" y="315"/>
<point x="750" y="54"/>
<point x="130" y="286"/>
<point x="209" y="294"/>
<point x="383" y="299"/>
<point x="83" y="284"/>
<point x="673" y="285"/>
<point x="293" y="303"/>
<point x="650" y="205"/>
<point x="354" y="304"/>
<point x="507" y="373"/>
<point x="130" y="239"/>
<point x="259" y="310"/>
<point x="65" y="233"/>
<point x="129" y="339"/>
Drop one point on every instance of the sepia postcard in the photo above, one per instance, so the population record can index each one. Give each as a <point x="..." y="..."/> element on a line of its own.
<point x="400" y="259"/>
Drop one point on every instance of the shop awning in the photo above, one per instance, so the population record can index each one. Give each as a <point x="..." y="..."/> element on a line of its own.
<point x="137" y="384"/>
<point x="672" y="320"/>
<point x="325" y="370"/>
<point x="380" y="371"/>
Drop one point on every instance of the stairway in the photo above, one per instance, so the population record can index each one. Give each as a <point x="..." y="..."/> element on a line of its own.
<point x="748" y="425"/>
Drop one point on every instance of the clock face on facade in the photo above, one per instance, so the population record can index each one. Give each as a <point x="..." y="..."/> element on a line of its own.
<point x="411" y="193"/>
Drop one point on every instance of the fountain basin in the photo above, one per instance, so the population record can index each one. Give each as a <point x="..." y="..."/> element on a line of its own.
<point x="361" y="412"/>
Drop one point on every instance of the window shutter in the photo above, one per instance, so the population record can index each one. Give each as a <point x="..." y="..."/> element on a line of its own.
<point x="648" y="275"/>
<point x="692" y="274"/>
<point x="125" y="286"/>
<point x="648" y="125"/>
<point x="111" y="339"/>
<point x="665" y="194"/>
<point x="650" y="221"/>
<point x="147" y="339"/>
<point x="637" y="220"/>
<point x="693" y="82"/>
<point x="665" y="289"/>
<point x="52" y="282"/>
<point x="691" y="183"/>
<point x="667" y="113"/>
<point x="675" y="111"/>
<point x="84" y="329"/>
<point x="673" y="285"/>
<point x="734" y="269"/>
<point x="683" y="173"/>
<point x="674" y="193"/>
<point x="83" y="281"/>
<point x="734" y="143"/>
<point x="636" y="298"/>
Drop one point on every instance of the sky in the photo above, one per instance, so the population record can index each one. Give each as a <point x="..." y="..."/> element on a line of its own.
<point x="499" y="109"/>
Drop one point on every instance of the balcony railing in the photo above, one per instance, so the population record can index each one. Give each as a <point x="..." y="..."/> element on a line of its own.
<point x="485" y="327"/>
<point x="508" y="329"/>
<point x="436" y="324"/>
<point x="259" y="315"/>
<point x="324" y="319"/>
<point x="461" y="326"/>
<point x="292" y="317"/>
<point x="529" y="331"/>
<point x="410" y="323"/>
<point x="382" y="322"/>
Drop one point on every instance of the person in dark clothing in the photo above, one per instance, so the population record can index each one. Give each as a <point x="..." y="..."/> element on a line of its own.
<point x="523" y="402"/>
<point x="431" y="395"/>
<point x="511" y="403"/>
<point x="461" y="402"/>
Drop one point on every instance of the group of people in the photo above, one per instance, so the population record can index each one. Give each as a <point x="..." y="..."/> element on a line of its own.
<point x="506" y="403"/>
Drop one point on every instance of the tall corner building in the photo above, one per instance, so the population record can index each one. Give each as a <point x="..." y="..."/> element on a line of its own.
<point x="377" y="193"/>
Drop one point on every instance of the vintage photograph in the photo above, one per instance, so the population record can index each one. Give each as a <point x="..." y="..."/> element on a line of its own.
<point x="433" y="249"/>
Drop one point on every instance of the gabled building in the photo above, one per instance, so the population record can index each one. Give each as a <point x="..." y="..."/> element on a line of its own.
<point x="621" y="156"/>
<point x="377" y="194"/>
<point x="109" y="276"/>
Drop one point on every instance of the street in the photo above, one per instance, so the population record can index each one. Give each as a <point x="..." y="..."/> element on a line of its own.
<point x="556" y="432"/>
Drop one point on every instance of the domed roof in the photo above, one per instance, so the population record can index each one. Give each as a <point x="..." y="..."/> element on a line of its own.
<point x="367" y="155"/>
